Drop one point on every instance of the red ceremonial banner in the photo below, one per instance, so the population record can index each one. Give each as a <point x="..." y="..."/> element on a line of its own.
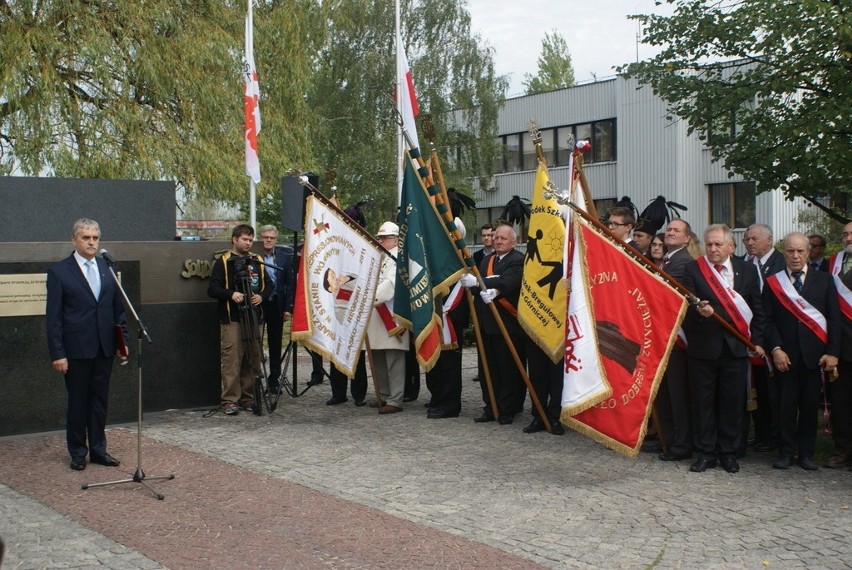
<point x="637" y="317"/>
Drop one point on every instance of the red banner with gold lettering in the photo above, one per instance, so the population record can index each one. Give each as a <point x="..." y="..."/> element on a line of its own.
<point x="637" y="317"/>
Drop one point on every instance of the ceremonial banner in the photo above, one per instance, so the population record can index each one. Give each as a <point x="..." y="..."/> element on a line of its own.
<point x="427" y="263"/>
<point x="406" y="97"/>
<point x="251" y="103"/>
<point x="637" y="317"/>
<point x="584" y="383"/>
<point x="543" y="300"/>
<point x="336" y="286"/>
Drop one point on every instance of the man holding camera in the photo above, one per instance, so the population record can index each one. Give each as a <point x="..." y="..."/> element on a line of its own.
<point x="238" y="281"/>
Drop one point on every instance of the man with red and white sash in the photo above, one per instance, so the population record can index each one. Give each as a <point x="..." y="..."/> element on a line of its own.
<point x="839" y="390"/>
<point x="718" y="361"/>
<point x="803" y="329"/>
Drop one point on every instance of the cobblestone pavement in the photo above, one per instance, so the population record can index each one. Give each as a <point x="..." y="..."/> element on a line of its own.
<point x="343" y="487"/>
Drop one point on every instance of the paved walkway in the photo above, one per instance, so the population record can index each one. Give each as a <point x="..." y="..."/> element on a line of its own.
<point x="313" y="486"/>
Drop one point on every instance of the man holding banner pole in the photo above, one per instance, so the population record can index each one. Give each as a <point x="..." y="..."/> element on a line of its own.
<point x="718" y="361"/>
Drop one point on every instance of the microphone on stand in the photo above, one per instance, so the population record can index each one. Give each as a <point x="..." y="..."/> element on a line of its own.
<point x="108" y="258"/>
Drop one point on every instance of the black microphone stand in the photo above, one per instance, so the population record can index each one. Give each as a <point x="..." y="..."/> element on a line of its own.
<point x="138" y="475"/>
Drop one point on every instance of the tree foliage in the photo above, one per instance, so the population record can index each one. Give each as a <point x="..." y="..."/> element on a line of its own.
<point x="153" y="90"/>
<point x="766" y="84"/>
<point x="555" y="70"/>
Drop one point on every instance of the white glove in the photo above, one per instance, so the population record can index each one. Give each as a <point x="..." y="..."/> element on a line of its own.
<point x="467" y="280"/>
<point x="488" y="295"/>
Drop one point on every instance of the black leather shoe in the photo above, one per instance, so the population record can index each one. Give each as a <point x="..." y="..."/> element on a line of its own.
<point x="484" y="418"/>
<point x="360" y="403"/>
<point x="535" y="426"/>
<point x="409" y="398"/>
<point x="783" y="463"/>
<point x="505" y="420"/>
<point x="556" y="428"/>
<point x="808" y="464"/>
<point x="315" y="379"/>
<point x="78" y="463"/>
<point x="105" y="459"/>
<point x="763" y="447"/>
<point x="702" y="465"/>
<point x="669" y="456"/>
<point x="441" y="413"/>
<point x="274" y="388"/>
<point x="730" y="464"/>
<point x="335" y="401"/>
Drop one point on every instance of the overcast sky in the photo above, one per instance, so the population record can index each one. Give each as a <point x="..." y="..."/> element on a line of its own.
<point x="598" y="34"/>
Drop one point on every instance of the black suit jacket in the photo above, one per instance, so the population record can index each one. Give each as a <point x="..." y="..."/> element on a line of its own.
<point x="77" y="323"/>
<point x="508" y="273"/>
<point x="676" y="264"/>
<point x="785" y="330"/>
<point x="285" y="282"/>
<point x="705" y="337"/>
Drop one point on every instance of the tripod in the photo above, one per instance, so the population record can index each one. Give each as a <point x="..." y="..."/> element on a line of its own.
<point x="138" y="475"/>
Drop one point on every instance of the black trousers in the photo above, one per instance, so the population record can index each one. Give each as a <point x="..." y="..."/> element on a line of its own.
<point x="840" y="397"/>
<point x="444" y="381"/>
<point x="274" y="333"/>
<point x="358" y="388"/>
<point x="546" y="377"/>
<point x="509" y="388"/>
<point x="87" y="383"/>
<point x="673" y="404"/>
<point x="798" y="394"/>
<point x="718" y="392"/>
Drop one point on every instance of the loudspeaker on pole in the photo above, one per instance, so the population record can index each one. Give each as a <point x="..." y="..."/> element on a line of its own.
<point x="293" y="197"/>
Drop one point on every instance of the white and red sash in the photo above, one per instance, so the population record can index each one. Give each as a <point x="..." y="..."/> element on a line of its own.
<point x="733" y="303"/>
<point x="448" y="331"/>
<point x="807" y="314"/>
<point x="844" y="295"/>
<point x="385" y="311"/>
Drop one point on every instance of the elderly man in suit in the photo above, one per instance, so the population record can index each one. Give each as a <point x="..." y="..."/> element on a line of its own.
<point x="839" y="390"/>
<point x="804" y="332"/>
<point x="672" y="403"/>
<point x="83" y="309"/>
<point x="760" y="251"/>
<point x="502" y="272"/>
<point x="717" y="360"/>
<point x="278" y="308"/>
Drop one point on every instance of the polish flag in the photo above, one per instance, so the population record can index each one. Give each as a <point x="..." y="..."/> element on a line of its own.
<point x="252" y="103"/>
<point x="406" y="97"/>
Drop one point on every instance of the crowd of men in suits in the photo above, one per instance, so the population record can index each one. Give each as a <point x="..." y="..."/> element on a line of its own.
<point x="779" y="322"/>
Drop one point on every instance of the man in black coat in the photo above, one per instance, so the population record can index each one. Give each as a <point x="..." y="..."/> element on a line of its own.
<point x="672" y="403"/>
<point x="718" y="361"/>
<point x="760" y="248"/>
<point x="84" y="307"/>
<point x="804" y="332"/>
<point x="839" y="390"/>
<point x="278" y="307"/>
<point x="502" y="272"/>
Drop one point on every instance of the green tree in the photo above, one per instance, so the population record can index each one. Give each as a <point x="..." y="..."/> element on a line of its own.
<point x="766" y="85"/>
<point x="354" y="83"/>
<point x="555" y="70"/>
<point x="149" y="90"/>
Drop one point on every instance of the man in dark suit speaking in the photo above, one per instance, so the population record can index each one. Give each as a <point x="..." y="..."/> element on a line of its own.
<point x="83" y="309"/>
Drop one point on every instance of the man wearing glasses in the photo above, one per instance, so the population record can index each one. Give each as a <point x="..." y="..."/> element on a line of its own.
<point x="816" y="253"/>
<point x="278" y="308"/>
<point x="620" y="222"/>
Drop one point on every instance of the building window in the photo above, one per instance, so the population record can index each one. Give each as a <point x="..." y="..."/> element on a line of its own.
<point x="732" y="204"/>
<point x="520" y="154"/>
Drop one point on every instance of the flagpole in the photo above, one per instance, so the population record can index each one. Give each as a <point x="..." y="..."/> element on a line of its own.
<point x="400" y="139"/>
<point x="467" y="258"/>
<point x="649" y="265"/>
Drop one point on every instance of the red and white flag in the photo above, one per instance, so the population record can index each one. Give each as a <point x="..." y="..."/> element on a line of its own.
<point x="252" y="103"/>
<point x="636" y="317"/>
<point x="406" y="97"/>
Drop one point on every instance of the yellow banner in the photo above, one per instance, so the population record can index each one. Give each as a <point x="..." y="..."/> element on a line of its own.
<point x="542" y="305"/>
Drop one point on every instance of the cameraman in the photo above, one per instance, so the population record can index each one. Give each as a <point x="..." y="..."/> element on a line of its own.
<point x="238" y="281"/>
